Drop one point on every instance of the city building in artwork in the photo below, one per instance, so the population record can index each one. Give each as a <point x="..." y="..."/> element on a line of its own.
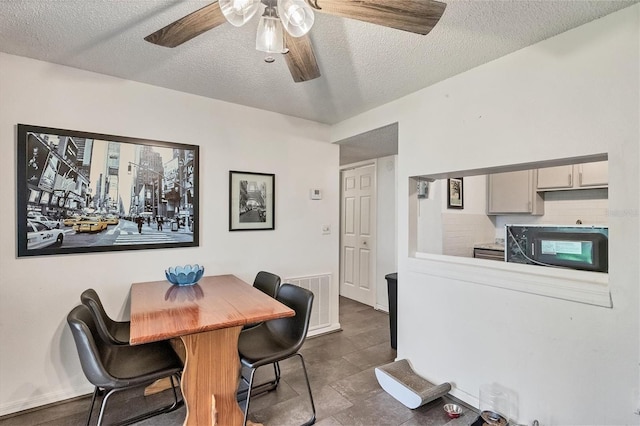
<point x="146" y="193"/>
<point x="56" y="182"/>
<point x="162" y="187"/>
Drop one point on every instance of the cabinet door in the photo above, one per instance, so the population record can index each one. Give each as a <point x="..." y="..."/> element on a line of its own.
<point x="593" y="174"/>
<point x="510" y="192"/>
<point x="555" y="177"/>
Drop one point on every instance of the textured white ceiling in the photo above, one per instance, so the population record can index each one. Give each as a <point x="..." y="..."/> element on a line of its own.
<point x="362" y="65"/>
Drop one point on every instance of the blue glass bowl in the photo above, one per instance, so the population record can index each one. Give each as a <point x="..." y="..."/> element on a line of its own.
<point x="184" y="275"/>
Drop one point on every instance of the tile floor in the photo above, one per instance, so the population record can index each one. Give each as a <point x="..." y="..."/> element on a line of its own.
<point x="341" y="371"/>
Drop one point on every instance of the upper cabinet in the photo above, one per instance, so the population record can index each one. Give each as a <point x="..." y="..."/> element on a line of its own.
<point x="593" y="174"/>
<point x="514" y="193"/>
<point x="576" y="176"/>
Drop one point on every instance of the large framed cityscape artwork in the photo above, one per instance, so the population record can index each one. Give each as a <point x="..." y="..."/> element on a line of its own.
<point x="81" y="192"/>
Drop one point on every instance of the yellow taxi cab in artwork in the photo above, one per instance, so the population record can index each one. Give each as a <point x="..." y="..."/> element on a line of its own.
<point x="70" y="221"/>
<point x="112" y="219"/>
<point x="90" y="224"/>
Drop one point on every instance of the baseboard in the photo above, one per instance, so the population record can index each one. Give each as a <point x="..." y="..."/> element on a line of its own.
<point x="38" y="401"/>
<point x="465" y="397"/>
<point x="325" y="330"/>
<point x="381" y="308"/>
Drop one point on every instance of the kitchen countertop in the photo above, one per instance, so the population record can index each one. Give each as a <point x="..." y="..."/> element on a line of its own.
<point x="490" y="246"/>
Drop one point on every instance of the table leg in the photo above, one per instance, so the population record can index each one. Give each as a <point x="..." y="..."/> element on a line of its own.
<point x="212" y="368"/>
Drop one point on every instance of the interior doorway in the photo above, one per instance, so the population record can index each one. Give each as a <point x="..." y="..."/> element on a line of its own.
<point x="378" y="147"/>
<point x="358" y="234"/>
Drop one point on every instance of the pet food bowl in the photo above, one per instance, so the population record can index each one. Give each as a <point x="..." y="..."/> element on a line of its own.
<point x="453" y="410"/>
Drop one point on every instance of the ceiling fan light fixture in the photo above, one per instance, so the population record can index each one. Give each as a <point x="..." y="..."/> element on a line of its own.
<point x="239" y="12"/>
<point x="270" y="38"/>
<point x="296" y="15"/>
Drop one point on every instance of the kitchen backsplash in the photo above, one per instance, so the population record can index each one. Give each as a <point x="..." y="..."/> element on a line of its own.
<point x="460" y="232"/>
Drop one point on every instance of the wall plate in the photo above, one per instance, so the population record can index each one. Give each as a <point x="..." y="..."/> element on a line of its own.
<point x="315" y="194"/>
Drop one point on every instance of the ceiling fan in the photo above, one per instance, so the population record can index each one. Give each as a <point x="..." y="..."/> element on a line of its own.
<point x="416" y="16"/>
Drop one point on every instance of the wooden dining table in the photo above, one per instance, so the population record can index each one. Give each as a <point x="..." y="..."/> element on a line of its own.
<point x="207" y="317"/>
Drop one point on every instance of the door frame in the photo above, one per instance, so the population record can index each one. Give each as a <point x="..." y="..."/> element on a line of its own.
<point x="373" y="283"/>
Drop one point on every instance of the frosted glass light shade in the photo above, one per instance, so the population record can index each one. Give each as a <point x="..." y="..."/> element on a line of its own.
<point x="270" y="38"/>
<point x="238" y="12"/>
<point x="296" y="15"/>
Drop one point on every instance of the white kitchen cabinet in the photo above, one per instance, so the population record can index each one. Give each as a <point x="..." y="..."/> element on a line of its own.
<point x="514" y="193"/>
<point x="560" y="177"/>
<point x="592" y="174"/>
<point x="576" y="176"/>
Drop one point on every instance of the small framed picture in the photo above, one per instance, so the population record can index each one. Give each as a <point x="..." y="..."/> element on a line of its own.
<point x="251" y="201"/>
<point x="423" y="189"/>
<point x="455" y="193"/>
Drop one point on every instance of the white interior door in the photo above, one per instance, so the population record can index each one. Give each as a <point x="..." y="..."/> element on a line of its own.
<point x="357" y="235"/>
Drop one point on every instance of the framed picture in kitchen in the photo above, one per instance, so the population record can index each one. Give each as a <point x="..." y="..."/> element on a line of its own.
<point x="455" y="193"/>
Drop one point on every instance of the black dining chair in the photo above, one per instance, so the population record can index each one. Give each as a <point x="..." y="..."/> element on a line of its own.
<point x="267" y="283"/>
<point x="113" y="368"/>
<point x="276" y="340"/>
<point x="116" y="332"/>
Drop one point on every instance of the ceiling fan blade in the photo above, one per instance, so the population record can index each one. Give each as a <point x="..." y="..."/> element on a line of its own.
<point x="300" y="59"/>
<point x="416" y="16"/>
<point x="188" y="27"/>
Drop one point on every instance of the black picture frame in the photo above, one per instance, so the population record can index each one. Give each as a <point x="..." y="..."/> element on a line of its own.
<point x="145" y="190"/>
<point x="455" y="193"/>
<point x="251" y="201"/>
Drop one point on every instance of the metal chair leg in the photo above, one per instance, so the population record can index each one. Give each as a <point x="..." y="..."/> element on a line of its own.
<point x="93" y="401"/>
<point x="312" y="420"/>
<point x="149" y="414"/>
<point x="246" y="408"/>
<point x="276" y="367"/>
<point x="262" y="387"/>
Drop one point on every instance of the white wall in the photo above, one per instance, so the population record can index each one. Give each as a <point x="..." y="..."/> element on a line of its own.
<point x="572" y="95"/>
<point x="386" y="228"/>
<point x="38" y="362"/>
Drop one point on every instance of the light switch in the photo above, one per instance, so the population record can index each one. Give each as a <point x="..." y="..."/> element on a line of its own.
<point x="326" y="229"/>
<point x="315" y="194"/>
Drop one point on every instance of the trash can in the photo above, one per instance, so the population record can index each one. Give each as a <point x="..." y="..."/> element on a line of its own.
<point x="174" y="225"/>
<point x="392" y="289"/>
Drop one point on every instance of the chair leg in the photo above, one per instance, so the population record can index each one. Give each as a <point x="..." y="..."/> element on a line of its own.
<point x="276" y="367"/>
<point x="312" y="420"/>
<point x="149" y="414"/>
<point x="276" y="372"/>
<point x="93" y="401"/>
<point x="246" y="408"/>
<point x="262" y="387"/>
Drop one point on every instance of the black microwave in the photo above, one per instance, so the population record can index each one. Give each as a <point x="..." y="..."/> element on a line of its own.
<point x="575" y="247"/>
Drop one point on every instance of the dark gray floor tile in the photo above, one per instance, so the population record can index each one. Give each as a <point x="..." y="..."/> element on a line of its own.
<point x="359" y="386"/>
<point x="292" y="412"/>
<point x="334" y="348"/>
<point x="370" y="338"/>
<point x="328" y="402"/>
<point x="59" y="414"/>
<point x="380" y="410"/>
<point x="329" y="421"/>
<point x="321" y="374"/>
<point x="372" y="356"/>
